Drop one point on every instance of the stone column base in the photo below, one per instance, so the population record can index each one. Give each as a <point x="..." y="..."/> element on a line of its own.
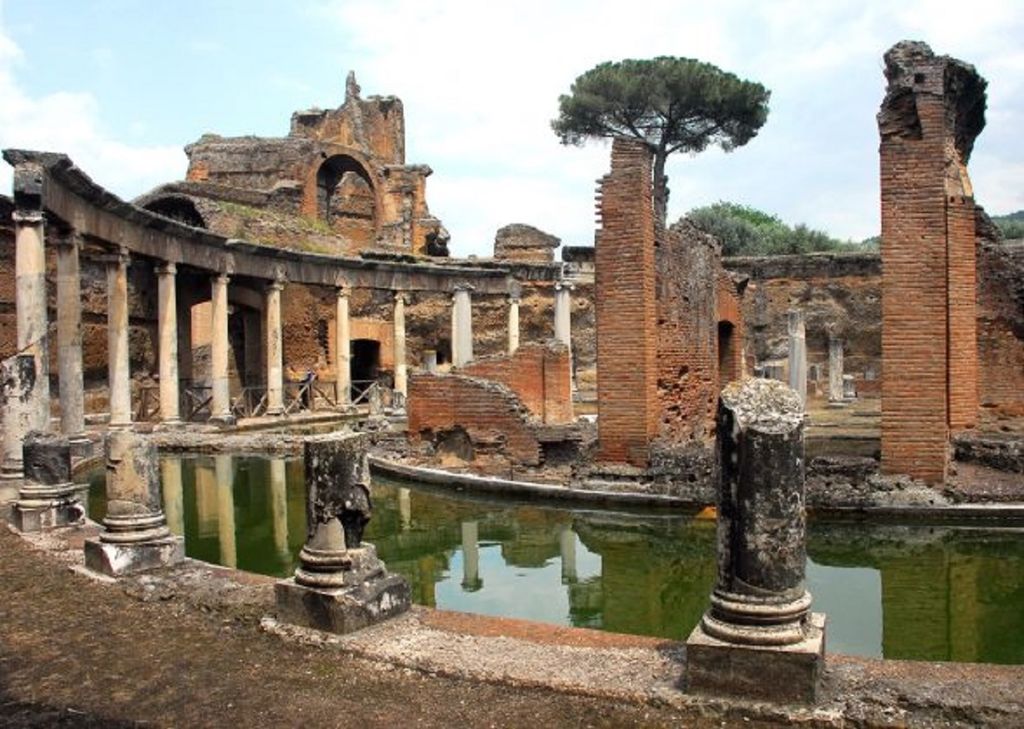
<point x="785" y="674"/>
<point x="343" y="610"/>
<point x="115" y="560"/>
<point x="35" y="516"/>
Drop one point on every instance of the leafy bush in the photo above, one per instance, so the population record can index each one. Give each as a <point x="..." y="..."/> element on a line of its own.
<point x="747" y="231"/>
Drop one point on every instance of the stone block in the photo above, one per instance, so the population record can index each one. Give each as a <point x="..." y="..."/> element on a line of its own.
<point x="116" y="560"/>
<point x="785" y="674"/>
<point x="346" y="609"/>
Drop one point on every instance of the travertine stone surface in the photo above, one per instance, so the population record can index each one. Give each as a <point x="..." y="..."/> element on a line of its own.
<point x="797" y="354"/>
<point x="18" y="380"/>
<point x="69" y="338"/>
<point x="167" y="325"/>
<point x="118" y="367"/>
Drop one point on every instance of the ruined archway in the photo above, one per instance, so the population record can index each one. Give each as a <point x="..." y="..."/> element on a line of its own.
<point x="179" y="208"/>
<point x="345" y="198"/>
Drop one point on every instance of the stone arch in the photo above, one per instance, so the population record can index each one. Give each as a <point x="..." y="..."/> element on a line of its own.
<point x="177" y="207"/>
<point x="346" y="198"/>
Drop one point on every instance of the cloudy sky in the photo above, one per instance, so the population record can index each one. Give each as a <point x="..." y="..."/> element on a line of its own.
<point x="122" y="85"/>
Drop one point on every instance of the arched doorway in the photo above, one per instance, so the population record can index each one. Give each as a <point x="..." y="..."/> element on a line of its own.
<point x="345" y="197"/>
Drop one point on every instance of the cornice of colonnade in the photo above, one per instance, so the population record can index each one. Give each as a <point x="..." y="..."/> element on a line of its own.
<point x="69" y="194"/>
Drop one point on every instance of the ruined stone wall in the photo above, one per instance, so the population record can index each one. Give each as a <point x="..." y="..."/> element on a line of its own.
<point x="1001" y="328"/>
<point x="518" y="242"/>
<point x="628" y="407"/>
<point x="838" y="292"/>
<point x="686" y="267"/>
<point x="492" y="416"/>
<point x="731" y="330"/>
<point x="933" y="109"/>
<point x="538" y="374"/>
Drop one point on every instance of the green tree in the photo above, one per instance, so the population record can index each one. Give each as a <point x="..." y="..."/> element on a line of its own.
<point x="671" y="104"/>
<point x="747" y="231"/>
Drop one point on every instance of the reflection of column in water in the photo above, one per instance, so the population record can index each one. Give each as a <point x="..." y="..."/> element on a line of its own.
<point x="405" y="508"/>
<point x="206" y="499"/>
<point x="471" y="581"/>
<point x="170" y="483"/>
<point x="279" y="504"/>
<point x="225" y="510"/>
<point x="567" y="548"/>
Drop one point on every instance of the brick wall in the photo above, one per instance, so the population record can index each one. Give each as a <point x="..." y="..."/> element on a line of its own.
<point x="538" y="373"/>
<point x="625" y="306"/>
<point x="928" y="280"/>
<point x="687" y="264"/>
<point x="488" y="411"/>
<point x="731" y="330"/>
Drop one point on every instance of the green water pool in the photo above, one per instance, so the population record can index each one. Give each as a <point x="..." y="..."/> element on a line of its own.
<point x="910" y="592"/>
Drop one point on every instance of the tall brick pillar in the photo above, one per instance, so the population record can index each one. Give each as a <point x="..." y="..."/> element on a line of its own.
<point x="625" y="305"/>
<point x="934" y="108"/>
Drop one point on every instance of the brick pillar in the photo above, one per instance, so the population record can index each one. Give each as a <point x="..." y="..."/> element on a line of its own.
<point x="933" y="110"/>
<point x="625" y="306"/>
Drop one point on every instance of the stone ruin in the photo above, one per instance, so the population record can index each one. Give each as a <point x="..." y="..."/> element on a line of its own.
<point x="519" y="242"/>
<point x="669" y="329"/>
<point x="340" y="585"/>
<point x="338" y="183"/>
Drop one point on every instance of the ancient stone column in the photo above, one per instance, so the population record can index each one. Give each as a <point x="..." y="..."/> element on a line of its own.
<point x="462" y="325"/>
<point x="275" y="350"/>
<point x="119" y="373"/>
<point x="563" y="311"/>
<point x="513" y="324"/>
<point x="18" y="379"/>
<point x="567" y="550"/>
<point x="340" y="584"/>
<point x="430" y="360"/>
<point x="343" y="347"/>
<point x="279" y="504"/>
<point x="835" y="370"/>
<point x="167" y="326"/>
<point x="471" y="581"/>
<point x="758" y="639"/>
<point x="225" y="477"/>
<point x="135" y="536"/>
<point x="220" y="409"/>
<point x="69" y="340"/>
<point x="173" y="494"/>
<point x="401" y="376"/>
<point x="48" y="497"/>
<point x="797" y="354"/>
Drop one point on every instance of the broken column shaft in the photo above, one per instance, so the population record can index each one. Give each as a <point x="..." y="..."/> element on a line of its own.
<point x="758" y="639"/>
<point x="797" y="354"/>
<point x="340" y="584"/>
<point x="48" y="497"/>
<point x="135" y="536"/>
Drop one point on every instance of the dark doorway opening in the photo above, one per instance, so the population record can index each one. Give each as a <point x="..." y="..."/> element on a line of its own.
<point x="728" y="361"/>
<point x="365" y="365"/>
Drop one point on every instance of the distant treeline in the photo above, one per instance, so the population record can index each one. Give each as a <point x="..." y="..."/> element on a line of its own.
<point x="1011" y="225"/>
<point x="747" y="231"/>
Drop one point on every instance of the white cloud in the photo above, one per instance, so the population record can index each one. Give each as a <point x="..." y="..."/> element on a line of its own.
<point x="70" y="122"/>
<point x="480" y="82"/>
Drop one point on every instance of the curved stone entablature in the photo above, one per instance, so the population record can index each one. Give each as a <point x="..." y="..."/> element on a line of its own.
<point x="69" y="195"/>
<point x="342" y="171"/>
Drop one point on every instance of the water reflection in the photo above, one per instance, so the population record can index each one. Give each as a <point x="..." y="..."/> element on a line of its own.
<point x="903" y="592"/>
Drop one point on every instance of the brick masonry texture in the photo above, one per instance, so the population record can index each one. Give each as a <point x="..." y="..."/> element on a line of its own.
<point x="537" y="373"/>
<point x="927" y="122"/>
<point x="626" y="311"/>
<point x="487" y="411"/>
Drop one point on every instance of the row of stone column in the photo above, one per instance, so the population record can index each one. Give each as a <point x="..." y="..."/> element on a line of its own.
<point x="840" y="386"/>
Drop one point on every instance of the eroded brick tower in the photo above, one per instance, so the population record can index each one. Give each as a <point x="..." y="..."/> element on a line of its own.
<point x="934" y="108"/>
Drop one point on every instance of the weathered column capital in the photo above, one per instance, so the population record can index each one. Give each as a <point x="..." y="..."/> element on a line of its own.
<point x="276" y="285"/>
<point x="401" y="297"/>
<point x="343" y="291"/>
<point x="222" y="278"/>
<point x="463" y="286"/>
<point x="564" y="285"/>
<point x="166" y="268"/>
<point x="514" y="298"/>
<point x="69" y="239"/>
<point x="26" y="216"/>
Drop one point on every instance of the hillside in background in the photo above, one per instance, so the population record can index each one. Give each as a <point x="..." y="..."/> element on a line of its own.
<point x="1011" y="225"/>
